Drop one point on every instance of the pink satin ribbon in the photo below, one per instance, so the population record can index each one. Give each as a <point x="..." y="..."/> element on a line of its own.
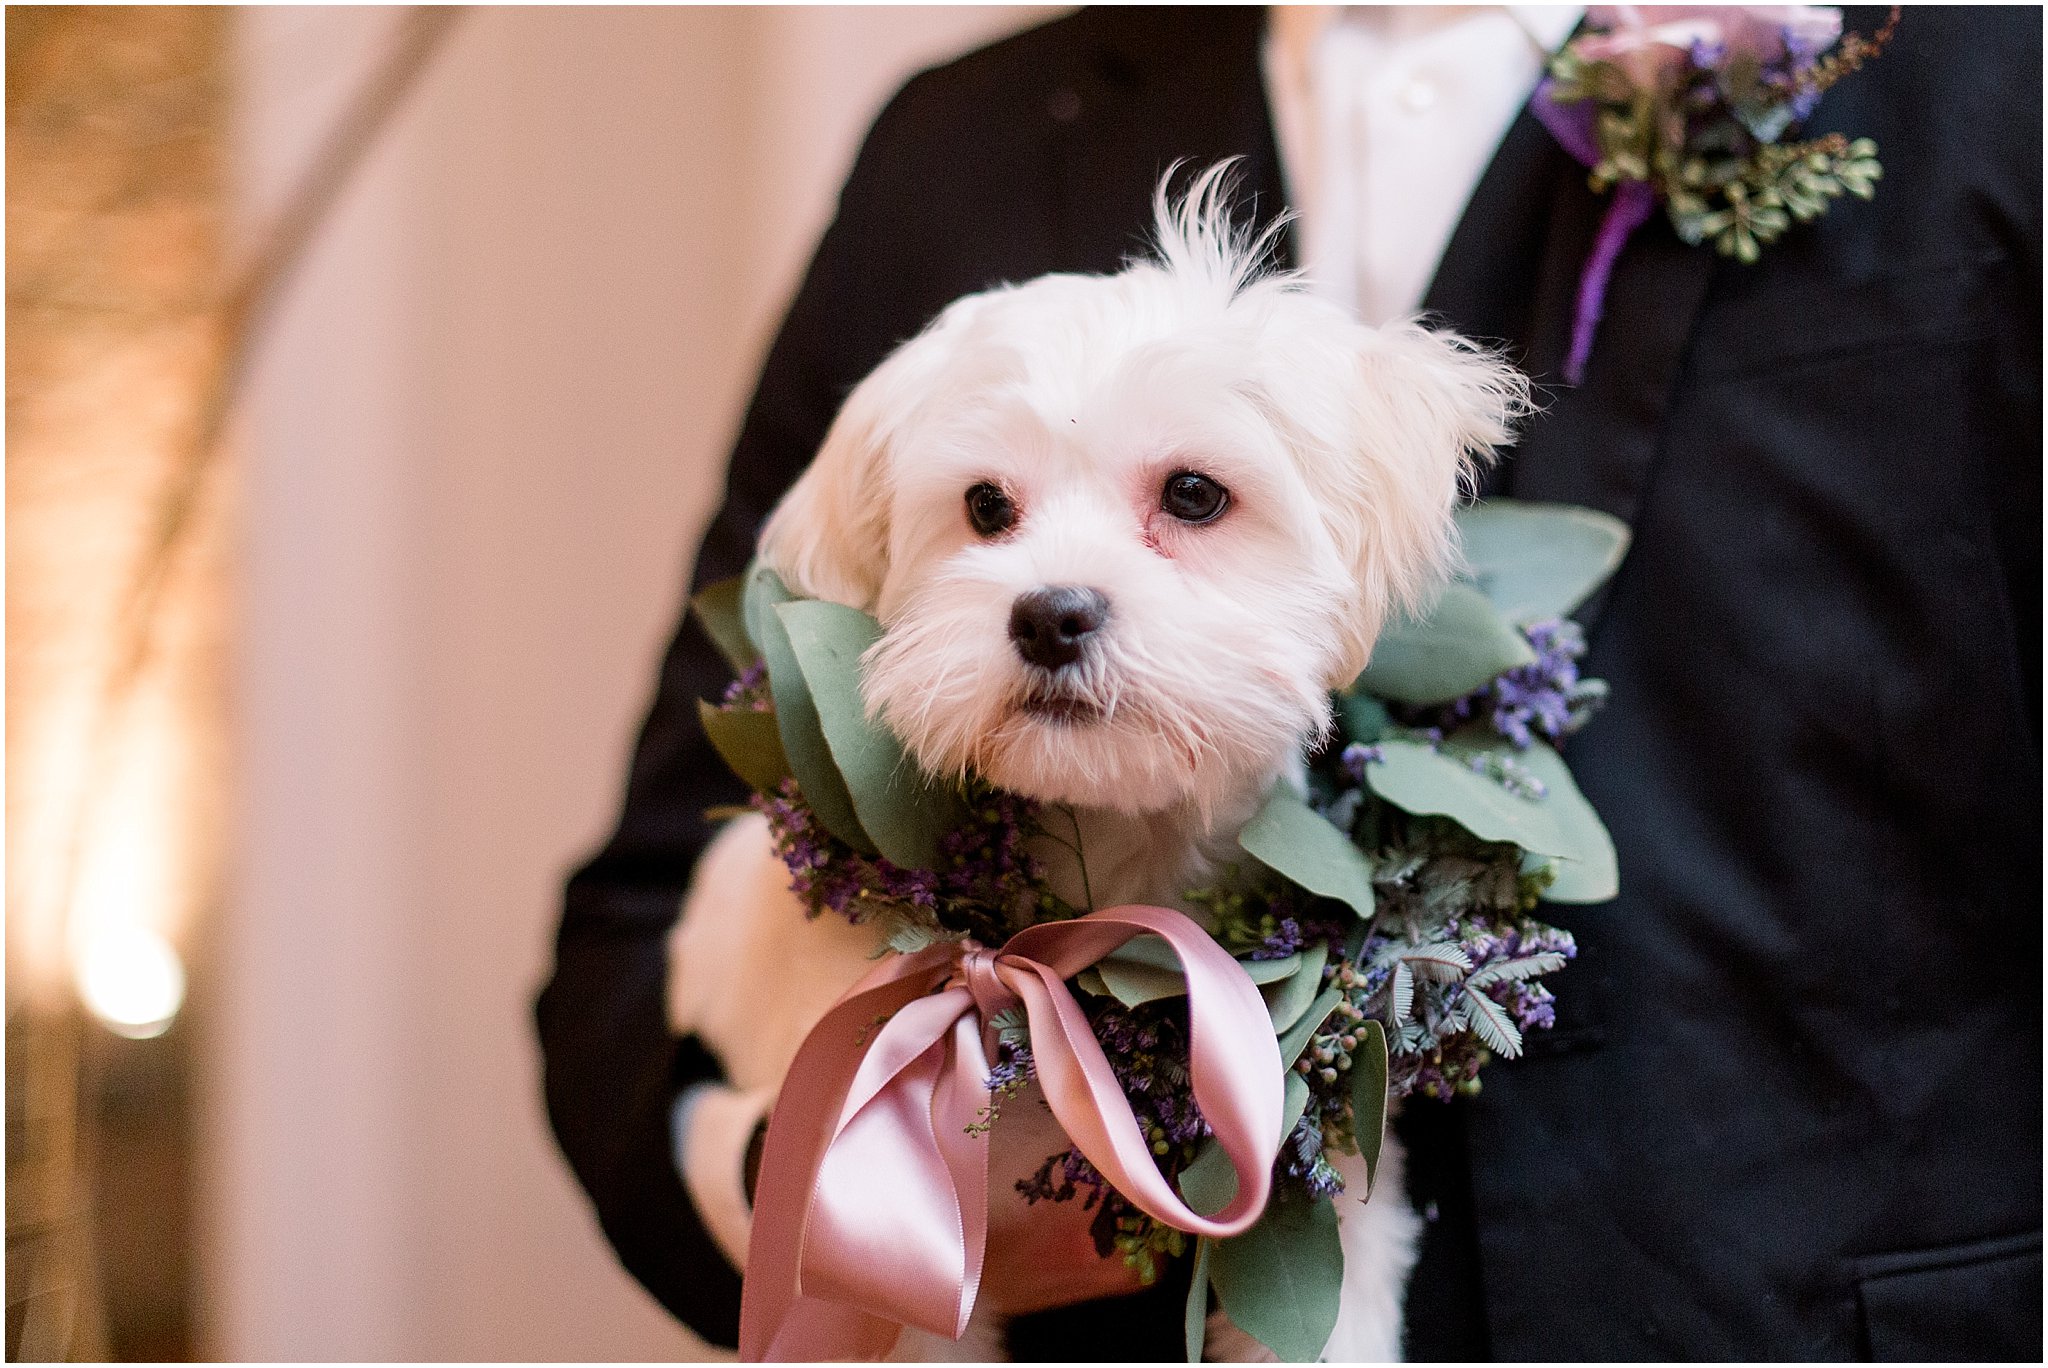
<point x="872" y="1206"/>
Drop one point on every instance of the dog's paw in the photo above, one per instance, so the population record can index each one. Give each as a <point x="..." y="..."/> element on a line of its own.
<point x="749" y="973"/>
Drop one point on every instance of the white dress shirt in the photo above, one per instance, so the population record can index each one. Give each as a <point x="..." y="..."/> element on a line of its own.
<point x="1387" y="117"/>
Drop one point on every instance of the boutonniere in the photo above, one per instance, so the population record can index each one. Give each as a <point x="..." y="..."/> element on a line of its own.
<point x="1691" y="108"/>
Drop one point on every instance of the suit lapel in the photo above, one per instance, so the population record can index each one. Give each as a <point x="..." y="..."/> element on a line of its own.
<point x="1597" y="444"/>
<point x="1495" y="279"/>
<point x="1511" y="275"/>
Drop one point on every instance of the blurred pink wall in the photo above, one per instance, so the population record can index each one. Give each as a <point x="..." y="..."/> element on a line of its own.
<point x="484" y="435"/>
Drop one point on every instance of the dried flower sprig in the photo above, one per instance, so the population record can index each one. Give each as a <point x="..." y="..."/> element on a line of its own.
<point x="987" y="885"/>
<point x="1688" y="107"/>
<point x="1546" y="697"/>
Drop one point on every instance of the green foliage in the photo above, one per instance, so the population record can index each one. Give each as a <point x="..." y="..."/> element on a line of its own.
<point x="1492" y="1024"/>
<point x="1245" y="909"/>
<point x="1539" y="560"/>
<point x="1280" y="1281"/>
<point x="1741" y="206"/>
<point x="1296" y="1037"/>
<point x="1368" y="1119"/>
<point x="1710" y="149"/>
<point x="1426" y="994"/>
<point x="1195" y="1320"/>
<point x="897" y="805"/>
<point x="1427" y="854"/>
<point x="717" y="608"/>
<point x="1295" y="841"/>
<point x="796" y="713"/>
<point x="1289" y="999"/>
<point x="1462" y="643"/>
<point x="1420" y="778"/>
<point x="1145" y="969"/>
<point x="1362" y="717"/>
<point x="1590" y="871"/>
<point x="749" y="742"/>
<point x="1208" y="1183"/>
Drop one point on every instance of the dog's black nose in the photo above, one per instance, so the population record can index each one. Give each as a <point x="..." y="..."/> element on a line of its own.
<point x="1050" y="625"/>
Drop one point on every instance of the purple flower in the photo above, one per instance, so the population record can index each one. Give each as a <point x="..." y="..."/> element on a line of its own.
<point x="987" y="883"/>
<point x="1357" y="756"/>
<point x="1303" y="1157"/>
<point x="1147" y="1051"/>
<point x="1656" y="45"/>
<point x="1545" y="697"/>
<point x="750" y="690"/>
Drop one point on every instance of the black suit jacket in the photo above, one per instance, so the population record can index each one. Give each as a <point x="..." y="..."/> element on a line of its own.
<point x="1792" y="1107"/>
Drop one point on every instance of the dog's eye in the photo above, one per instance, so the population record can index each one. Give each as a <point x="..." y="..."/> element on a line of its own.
<point x="990" y="510"/>
<point x="1193" y="498"/>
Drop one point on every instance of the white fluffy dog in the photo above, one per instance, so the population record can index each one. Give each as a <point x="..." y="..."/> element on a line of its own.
<point x="1124" y="534"/>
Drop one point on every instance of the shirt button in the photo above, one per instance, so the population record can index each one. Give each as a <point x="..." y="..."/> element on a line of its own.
<point x="1418" y="96"/>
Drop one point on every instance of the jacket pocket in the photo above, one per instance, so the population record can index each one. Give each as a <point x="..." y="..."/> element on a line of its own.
<point x="1770" y="330"/>
<point x="1976" y="1301"/>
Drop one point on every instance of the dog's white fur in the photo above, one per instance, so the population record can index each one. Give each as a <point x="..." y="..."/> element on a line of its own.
<point x="1343" y="448"/>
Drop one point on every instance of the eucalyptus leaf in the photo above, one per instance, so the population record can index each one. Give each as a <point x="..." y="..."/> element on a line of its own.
<point x="1591" y="873"/>
<point x="749" y="742"/>
<point x="1297" y="1036"/>
<point x="1280" y="1281"/>
<point x="1540" y="560"/>
<point x="1362" y="717"/>
<point x="717" y="607"/>
<point x="1462" y="644"/>
<point x="1266" y="973"/>
<point x="1369" y="1097"/>
<point x="1293" y="1103"/>
<point x="1288" y="998"/>
<point x="1292" y="839"/>
<point x="1133" y="983"/>
<point x="1209" y="1183"/>
<point x="760" y="590"/>
<point x="902" y="810"/>
<point x="1145" y="969"/>
<point x="1562" y="823"/>
<point x="1196" y="1318"/>
<point x="796" y="713"/>
<point x="1147" y="948"/>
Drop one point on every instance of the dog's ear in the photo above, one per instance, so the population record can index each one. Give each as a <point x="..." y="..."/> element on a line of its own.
<point x="1427" y="409"/>
<point x="829" y="536"/>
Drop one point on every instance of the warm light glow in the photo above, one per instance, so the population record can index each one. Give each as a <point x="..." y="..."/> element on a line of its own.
<point x="134" y="885"/>
<point x="132" y="980"/>
<point x="116" y="200"/>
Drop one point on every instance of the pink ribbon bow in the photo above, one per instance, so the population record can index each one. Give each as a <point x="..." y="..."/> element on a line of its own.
<point x="872" y="1206"/>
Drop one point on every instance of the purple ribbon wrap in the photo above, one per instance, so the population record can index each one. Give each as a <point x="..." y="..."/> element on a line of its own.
<point x="1572" y="126"/>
